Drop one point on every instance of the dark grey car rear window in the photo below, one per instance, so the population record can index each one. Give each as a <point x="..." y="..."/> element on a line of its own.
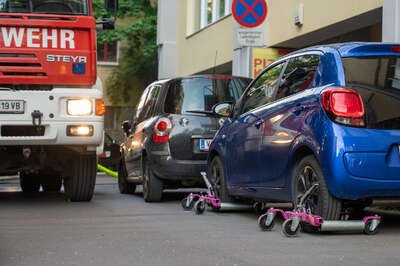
<point x="201" y="93"/>
<point x="377" y="79"/>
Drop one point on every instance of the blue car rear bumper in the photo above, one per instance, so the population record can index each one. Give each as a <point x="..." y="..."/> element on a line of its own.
<point x="362" y="163"/>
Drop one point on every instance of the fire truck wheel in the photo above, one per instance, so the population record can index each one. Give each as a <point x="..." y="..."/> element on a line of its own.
<point x="80" y="185"/>
<point x="29" y="183"/>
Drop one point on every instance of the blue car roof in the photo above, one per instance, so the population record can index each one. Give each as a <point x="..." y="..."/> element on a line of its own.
<point x="358" y="49"/>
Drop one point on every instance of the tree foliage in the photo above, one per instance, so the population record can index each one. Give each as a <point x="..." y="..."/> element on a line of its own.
<point x="138" y="58"/>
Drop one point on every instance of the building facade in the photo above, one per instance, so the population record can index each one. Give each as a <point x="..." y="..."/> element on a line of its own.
<point x="200" y="36"/>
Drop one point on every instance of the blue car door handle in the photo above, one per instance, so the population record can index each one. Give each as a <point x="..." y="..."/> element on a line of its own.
<point x="299" y="109"/>
<point x="258" y="123"/>
<point x="253" y="119"/>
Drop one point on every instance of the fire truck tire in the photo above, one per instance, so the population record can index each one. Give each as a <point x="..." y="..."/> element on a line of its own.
<point x="29" y="183"/>
<point x="80" y="185"/>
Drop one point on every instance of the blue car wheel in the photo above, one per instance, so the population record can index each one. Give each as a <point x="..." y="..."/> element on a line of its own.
<point x="305" y="173"/>
<point x="217" y="179"/>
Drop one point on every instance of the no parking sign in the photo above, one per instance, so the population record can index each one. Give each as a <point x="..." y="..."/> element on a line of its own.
<point x="249" y="13"/>
<point x="250" y="16"/>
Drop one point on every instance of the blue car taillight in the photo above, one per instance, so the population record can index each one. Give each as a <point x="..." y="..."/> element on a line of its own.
<point x="344" y="106"/>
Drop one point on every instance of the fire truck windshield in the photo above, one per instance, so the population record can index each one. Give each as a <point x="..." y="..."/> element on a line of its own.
<point x="67" y="7"/>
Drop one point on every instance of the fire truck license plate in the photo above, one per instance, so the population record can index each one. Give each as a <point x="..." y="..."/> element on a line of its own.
<point x="12" y="106"/>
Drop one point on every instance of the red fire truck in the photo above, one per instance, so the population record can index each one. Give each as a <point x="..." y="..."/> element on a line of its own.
<point x="51" y="107"/>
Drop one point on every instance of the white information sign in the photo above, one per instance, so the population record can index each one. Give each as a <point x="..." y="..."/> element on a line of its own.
<point x="251" y="37"/>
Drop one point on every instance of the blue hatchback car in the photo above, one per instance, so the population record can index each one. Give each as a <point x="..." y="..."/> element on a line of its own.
<point x="326" y="114"/>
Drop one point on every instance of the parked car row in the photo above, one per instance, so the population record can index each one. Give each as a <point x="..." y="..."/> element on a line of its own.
<point x="326" y="114"/>
<point x="168" y="138"/>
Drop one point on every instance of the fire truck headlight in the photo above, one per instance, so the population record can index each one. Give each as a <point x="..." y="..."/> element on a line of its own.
<point x="79" y="107"/>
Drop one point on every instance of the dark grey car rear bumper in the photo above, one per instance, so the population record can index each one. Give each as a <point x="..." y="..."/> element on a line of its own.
<point x="168" y="168"/>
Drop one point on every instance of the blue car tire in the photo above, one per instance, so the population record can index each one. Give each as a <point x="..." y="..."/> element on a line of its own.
<point x="217" y="178"/>
<point x="306" y="172"/>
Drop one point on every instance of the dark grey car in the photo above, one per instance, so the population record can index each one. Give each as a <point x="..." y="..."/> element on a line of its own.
<point x="167" y="141"/>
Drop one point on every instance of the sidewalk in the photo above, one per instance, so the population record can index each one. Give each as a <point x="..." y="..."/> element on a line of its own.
<point x="8" y="177"/>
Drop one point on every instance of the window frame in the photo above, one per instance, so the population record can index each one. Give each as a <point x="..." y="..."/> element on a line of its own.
<point x="239" y="106"/>
<point x="215" y="13"/>
<point x="244" y="98"/>
<point x="150" y="110"/>
<point x="84" y="3"/>
<point x="140" y="106"/>
<point x="288" y="61"/>
<point x="111" y="63"/>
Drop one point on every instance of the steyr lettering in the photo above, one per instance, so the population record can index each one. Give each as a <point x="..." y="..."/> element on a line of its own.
<point x="66" y="58"/>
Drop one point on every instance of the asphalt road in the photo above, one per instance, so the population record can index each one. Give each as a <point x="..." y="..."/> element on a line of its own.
<point x="117" y="229"/>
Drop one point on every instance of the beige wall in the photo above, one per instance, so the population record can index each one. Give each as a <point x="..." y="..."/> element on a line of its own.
<point x="103" y="72"/>
<point x="317" y="14"/>
<point x="196" y="52"/>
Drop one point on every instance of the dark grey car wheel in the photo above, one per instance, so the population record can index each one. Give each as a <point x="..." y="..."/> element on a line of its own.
<point x="152" y="185"/>
<point x="123" y="185"/>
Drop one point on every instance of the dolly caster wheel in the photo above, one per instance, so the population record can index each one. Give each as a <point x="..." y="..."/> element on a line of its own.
<point x="266" y="224"/>
<point x="187" y="204"/>
<point x="288" y="230"/>
<point x="199" y="207"/>
<point x="371" y="227"/>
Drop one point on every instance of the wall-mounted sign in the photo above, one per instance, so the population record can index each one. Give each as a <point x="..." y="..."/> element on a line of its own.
<point x="262" y="57"/>
<point x="250" y="37"/>
<point x="249" y="13"/>
<point x="250" y="16"/>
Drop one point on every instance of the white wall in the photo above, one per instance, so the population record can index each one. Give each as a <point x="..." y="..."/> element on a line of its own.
<point x="167" y="34"/>
<point x="391" y="21"/>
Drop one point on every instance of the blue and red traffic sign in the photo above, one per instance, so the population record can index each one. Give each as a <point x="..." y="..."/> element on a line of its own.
<point x="249" y="13"/>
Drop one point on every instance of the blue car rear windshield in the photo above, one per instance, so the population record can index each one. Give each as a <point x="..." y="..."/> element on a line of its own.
<point x="377" y="72"/>
<point x="377" y="80"/>
<point x="201" y="94"/>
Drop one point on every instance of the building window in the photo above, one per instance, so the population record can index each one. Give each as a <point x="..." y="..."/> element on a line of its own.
<point x="107" y="53"/>
<point x="210" y="11"/>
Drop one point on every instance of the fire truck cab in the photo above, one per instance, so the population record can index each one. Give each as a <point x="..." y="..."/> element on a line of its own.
<point x="51" y="107"/>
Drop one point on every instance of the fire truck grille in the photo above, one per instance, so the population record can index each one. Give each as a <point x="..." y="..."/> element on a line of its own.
<point x="22" y="131"/>
<point x="20" y="65"/>
<point x="17" y="55"/>
<point x="35" y="74"/>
